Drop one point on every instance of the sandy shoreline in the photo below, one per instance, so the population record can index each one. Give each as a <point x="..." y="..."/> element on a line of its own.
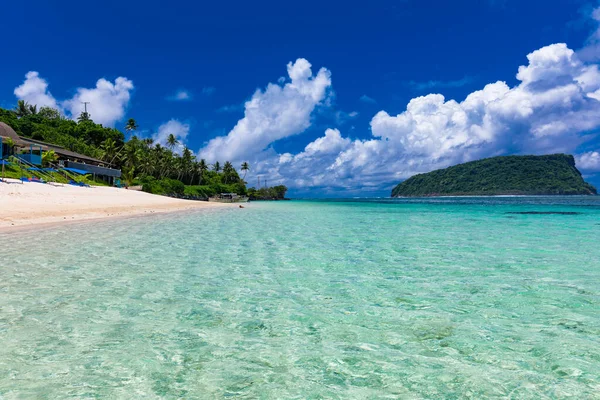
<point x="35" y="204"/>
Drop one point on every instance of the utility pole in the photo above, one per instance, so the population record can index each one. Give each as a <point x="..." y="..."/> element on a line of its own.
<point x="266" y="184"/>
<point x="258" y="182"/>
<point x="85" y="103"/>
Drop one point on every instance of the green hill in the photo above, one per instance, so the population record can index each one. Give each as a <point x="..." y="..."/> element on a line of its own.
<point x="510" y="175"/>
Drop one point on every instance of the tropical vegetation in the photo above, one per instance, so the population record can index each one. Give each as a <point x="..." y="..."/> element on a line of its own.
<point x="270" y="193"/>
<point x="554" y="174"/>
<point x="171" y="168"/>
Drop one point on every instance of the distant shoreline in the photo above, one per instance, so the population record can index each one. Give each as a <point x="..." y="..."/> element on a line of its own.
<point x="491" y="195"/>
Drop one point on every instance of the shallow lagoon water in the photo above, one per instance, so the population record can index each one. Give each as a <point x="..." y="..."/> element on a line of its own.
<point x="415" y="299"/>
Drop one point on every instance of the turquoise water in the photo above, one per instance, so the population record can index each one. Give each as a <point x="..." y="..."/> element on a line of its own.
<point x="435" y="299"/>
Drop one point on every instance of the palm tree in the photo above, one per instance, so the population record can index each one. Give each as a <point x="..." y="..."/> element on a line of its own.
<point x="84" y="116"/>
<point x="33" y="109"/>
<point x="229" y="173"/>
<point x="49" y="157"/>
<point x="187" y="163"/>
<point x="129" y="175"/>
<point x="216" y="167"/>
<point x="172" y="141"/>
<point x="110" y="151"/>
<point x="131" y="126"/>
<point x="245" y="168"/>
<point x="202" y="167"/>
<point x="148" y="142"/>
<point x="22" y="108"/>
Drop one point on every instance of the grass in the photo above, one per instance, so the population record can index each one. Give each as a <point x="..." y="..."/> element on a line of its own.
<point x="15" y="172"/>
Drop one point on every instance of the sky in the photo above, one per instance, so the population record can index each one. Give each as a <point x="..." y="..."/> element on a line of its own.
<point x="332" y="99"/>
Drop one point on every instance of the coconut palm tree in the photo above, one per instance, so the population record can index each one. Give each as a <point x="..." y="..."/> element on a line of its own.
<point x="172" y="141"/>
<point x="187" y="163"/>
<point x="131" y="126"/>
<point x="110" y="151"/>
<point x="227" y="171"/>
<point x="202" y="168"/>
<point x="22" y="108"/>
<point x="245" y="167"/>
<point x="148" y="142"/>
<point x="129" y="175"/>
<point x="216" y="167"/>
<point x="84" y="116"/>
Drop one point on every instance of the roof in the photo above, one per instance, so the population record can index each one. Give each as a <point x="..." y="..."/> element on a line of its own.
<point x="8" y="132"/>
<point x="61" y="151"/>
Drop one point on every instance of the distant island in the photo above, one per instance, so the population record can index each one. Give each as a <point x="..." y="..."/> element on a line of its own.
<point x="553" y="174"/>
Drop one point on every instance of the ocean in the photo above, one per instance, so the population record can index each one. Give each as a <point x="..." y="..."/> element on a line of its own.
<point x="452" y="298"/>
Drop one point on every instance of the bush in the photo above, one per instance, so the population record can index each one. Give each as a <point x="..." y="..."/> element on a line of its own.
<point x="165" y="186"/>
<point x="200" y="191"/>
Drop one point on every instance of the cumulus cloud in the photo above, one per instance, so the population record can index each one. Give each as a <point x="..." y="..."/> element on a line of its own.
<point x="591" y="50"/>
<point x="175" y="127"/>
<point x="554" y="108"/>
<point x="107" y="101"/>
<point x="34" y="90"/>
<point x="180" y="95"/>
<point x="589" y="162"/>
<point x="280" y="111"/>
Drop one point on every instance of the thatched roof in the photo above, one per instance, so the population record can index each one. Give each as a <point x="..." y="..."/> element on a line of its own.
<point x="8" y="132"/>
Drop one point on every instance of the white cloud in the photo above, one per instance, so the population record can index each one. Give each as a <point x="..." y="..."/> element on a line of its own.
<point x="551" y="110"/>
<point x="591" y="50"/>
<point x="554" y="108"/>
<point x="175" y="127"/>
<point x="278" y="112"/>
<point x="588" y="162"/>
<point x="34" y="90"/>
<point x="180" y="95"/>
<point x="366" y="99"/>
<point x="107" y="101"/>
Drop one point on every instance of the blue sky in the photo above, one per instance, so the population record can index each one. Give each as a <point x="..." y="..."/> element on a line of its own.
<point x="189" y="67"/>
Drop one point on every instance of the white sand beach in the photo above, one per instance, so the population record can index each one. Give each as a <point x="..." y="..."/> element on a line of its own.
<point x="36" y="203"/>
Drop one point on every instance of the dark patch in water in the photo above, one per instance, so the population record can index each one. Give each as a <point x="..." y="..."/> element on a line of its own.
<point x="544" y="212"/>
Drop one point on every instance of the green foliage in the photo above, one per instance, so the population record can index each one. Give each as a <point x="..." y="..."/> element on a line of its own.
<point x="165" y="186"/>
<point x="49" y="157"/>
<point x="84" y="117"/>
<point x="48" y="126"/>
<point x="511" y="175"/>
<point x="272" y="193"/>
<point x="200" y="191"/>
<point x="137" y="158"/>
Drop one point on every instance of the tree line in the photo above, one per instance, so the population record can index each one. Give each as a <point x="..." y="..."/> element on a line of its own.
<point x="141" y="160"/>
